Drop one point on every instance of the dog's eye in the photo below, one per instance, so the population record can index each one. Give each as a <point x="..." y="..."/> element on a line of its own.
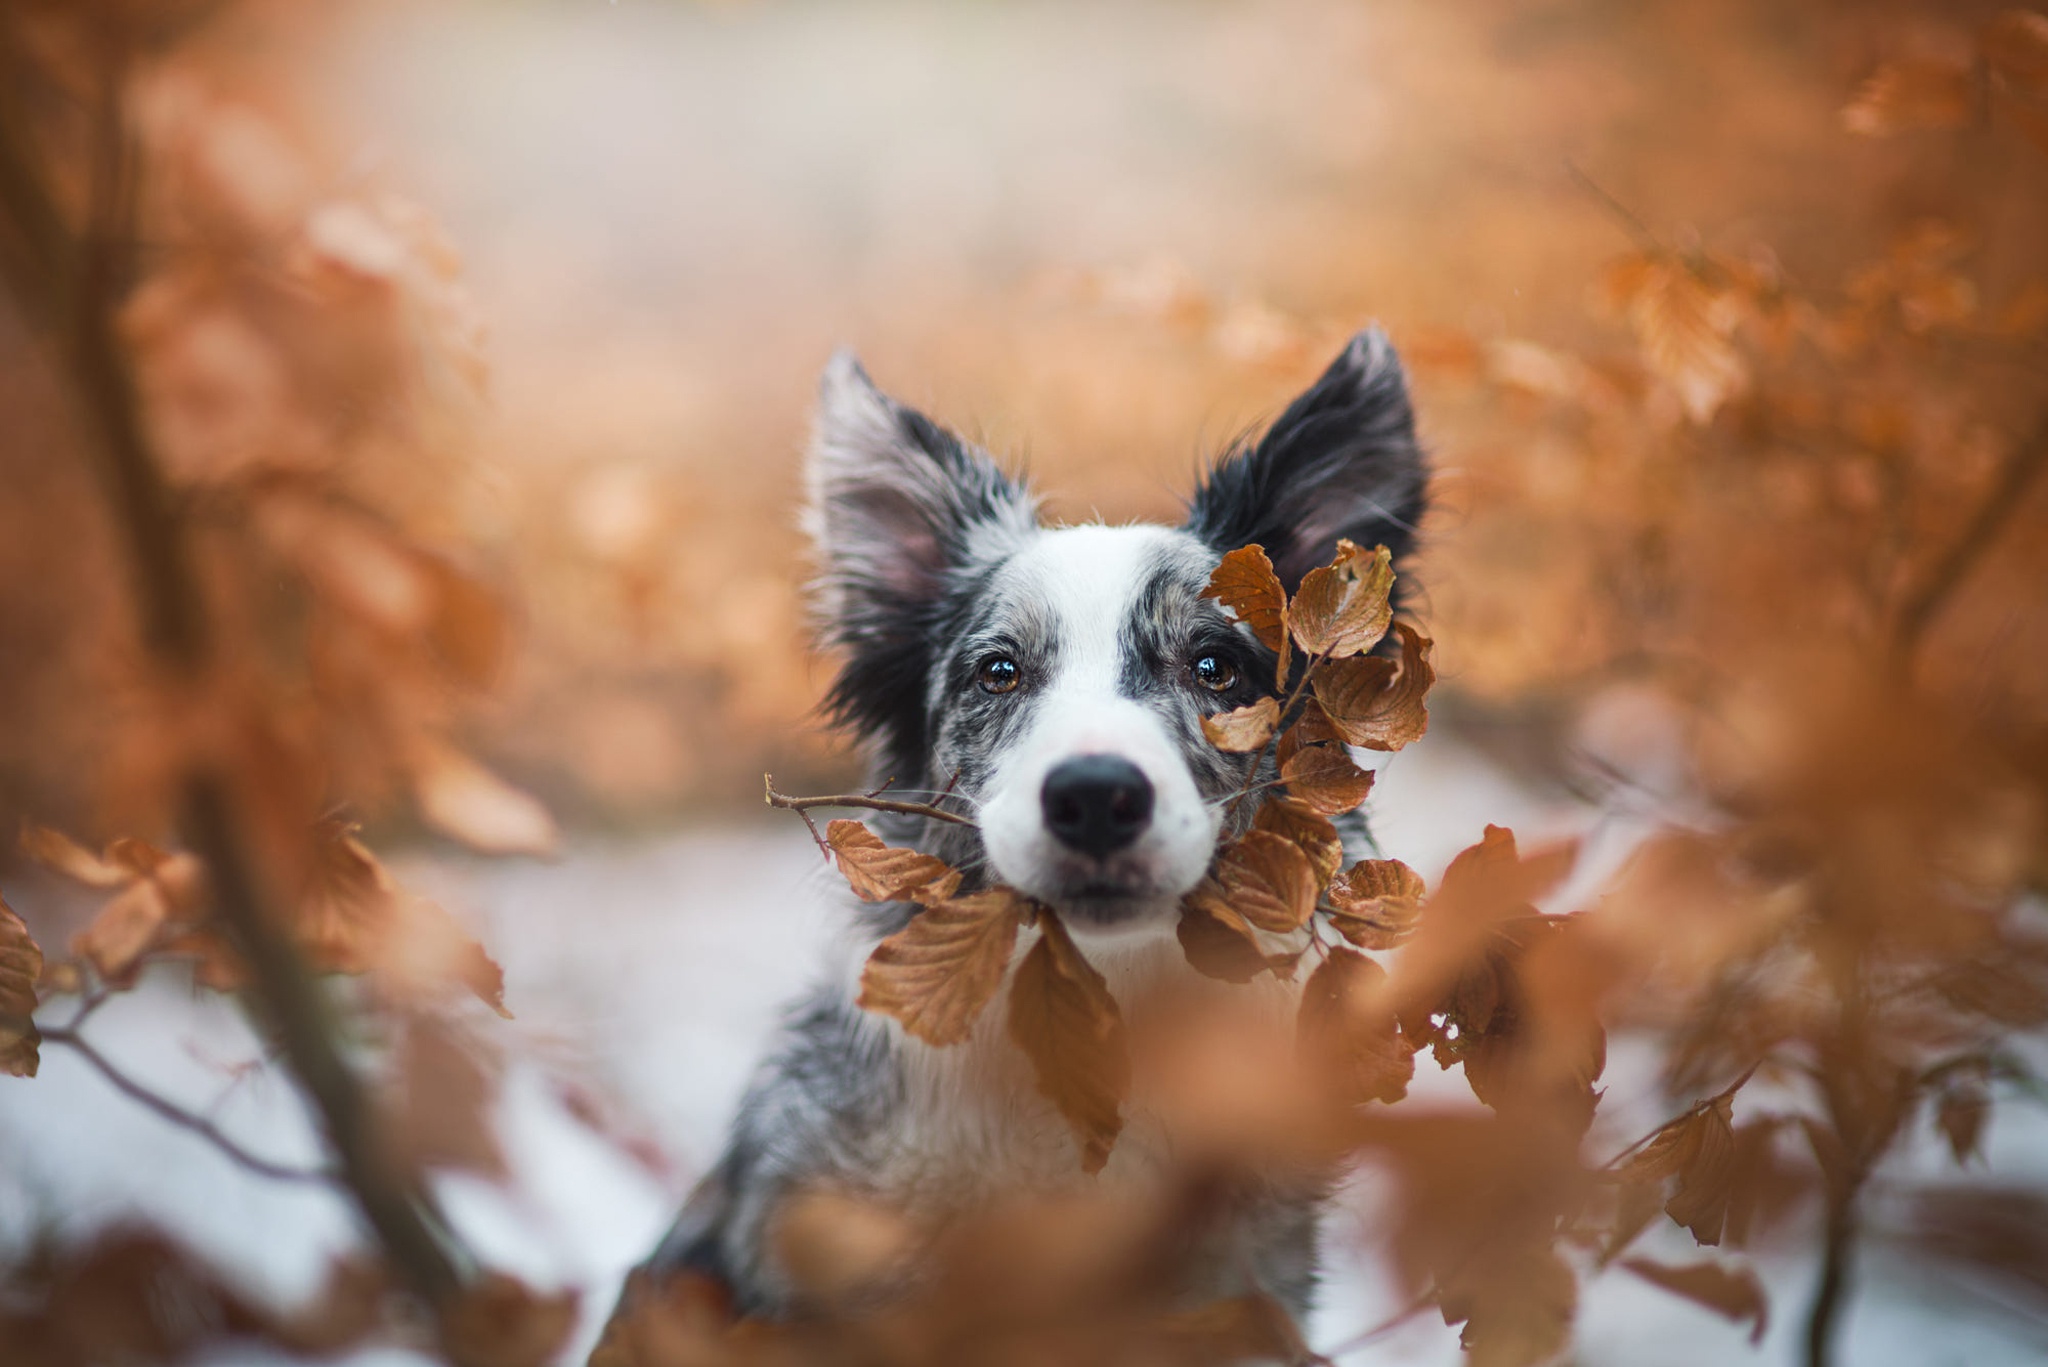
<point x="997" y="674"/>
<point x="1215" y="673"/>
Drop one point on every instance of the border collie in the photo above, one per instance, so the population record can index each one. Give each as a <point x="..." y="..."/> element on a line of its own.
<point x="1051" y="681"/>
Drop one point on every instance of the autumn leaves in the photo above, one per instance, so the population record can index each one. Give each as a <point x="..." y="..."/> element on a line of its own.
<point x="1278" y="891"/>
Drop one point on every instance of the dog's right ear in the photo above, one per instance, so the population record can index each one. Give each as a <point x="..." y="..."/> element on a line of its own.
<point x="896" y="503"/>
<point x="1341" y="461"/>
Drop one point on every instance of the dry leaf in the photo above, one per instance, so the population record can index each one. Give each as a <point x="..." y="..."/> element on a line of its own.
<point x="461" y="798"/>
<point x="1699" y="1151"/>
<point x="2015" y="44"/>
<point x="1960" y="1116"/>
<point x="1267" y="880"/>
<point x="501" y="1322"/>
<point x="21" y="964"/>
<point x="1520" y="1313"/>
<point x="61" y="854"/>
<point x="1245" y="583"/>
<point x="1243" y="729"/>
<point x="1217" y="941"/>
<point x="353" y="917"/>
<point x="1252" y="1328"/>
<point x="838" y="1248"/>
<point x="1343" y="608"/>
<point x="1686" y="327"/>
<point x="1348" y="1027"/>
<point x="1324" y="778"/>
<point x="1065" y="1020"/>
<point x="1311" y="727"/>
<point x="1908" y="95"/>
<point x="937" y="974"/>
<point x="437" y="1103"/>
<point x="1365" y="708"/>
<point x="883" y="873"/>
<point x="165" y="892"/>
<point x="1734" y="1293"/>
<point x="680" y="1319"/>
<point x="1307" y="828"/>
<point x="1377" y="903"/>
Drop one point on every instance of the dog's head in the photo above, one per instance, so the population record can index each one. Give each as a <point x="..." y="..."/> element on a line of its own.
<point x="1054" y="678"/>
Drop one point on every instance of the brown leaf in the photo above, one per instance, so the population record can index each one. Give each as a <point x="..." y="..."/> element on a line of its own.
<point x="1521" y="1314"/>
<point x="1326" y="779"/>
<point x="937" y="974"/>
<point x="467" y="624"/>
<point x="1999" y="989"/>
<point x="883" y="873"/>
<point x="134" y="921"/>
<point x="353" y="917"/>
<point x="1733" y="1293"/>
<point x="1700" y="1152"/>
<point x="1908" y="95"/>
<point x="679" y="1320"/>
<point x="1243" y="729"/>
<point x="1245" y="583"/>
<point x="1306" y="827"/>
<point x="1365" y="708"/>
<point x="1217" y="941"/>
<point x="1065" y="1020"/>
<point x="1311" y="727"/>
<point x="461" y="798"/>
<point x="21" y="964"/>
<point x="1377" y="902"/>
<point x="1267" y="880"/>
<point x="437" y="1103"/>
<point x="501" y="1322"/>
<point x="425" y="947"/>
<point x="1685" y="326"/>
<point x="1961" y="1116"/>
<point x="1343" y="608"/>
<point x="61" y="854"/>
<point x="1348" y="1027"/>
<point x="2015" y="44"/>
<point x="1251" y="1328"/>
<point x="840" y="1249"/>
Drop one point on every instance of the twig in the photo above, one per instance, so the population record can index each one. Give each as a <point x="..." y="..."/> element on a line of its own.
<point x="802" y="805"/>
<point x="1925" y="601"/>
<point x="179" y="1116"/>
<point x="1628" y="218"/>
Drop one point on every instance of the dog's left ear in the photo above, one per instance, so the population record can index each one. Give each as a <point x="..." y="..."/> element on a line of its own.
<point x="1342" y="461"/>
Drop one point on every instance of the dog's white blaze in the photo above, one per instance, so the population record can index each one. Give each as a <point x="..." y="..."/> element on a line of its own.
<point x="1089" y="578"/>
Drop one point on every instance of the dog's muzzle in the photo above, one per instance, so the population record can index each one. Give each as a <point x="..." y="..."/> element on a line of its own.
<point x="1097" y="804"/>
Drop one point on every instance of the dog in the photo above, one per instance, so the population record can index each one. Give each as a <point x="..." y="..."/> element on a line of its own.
<point x="1051" y="682"/>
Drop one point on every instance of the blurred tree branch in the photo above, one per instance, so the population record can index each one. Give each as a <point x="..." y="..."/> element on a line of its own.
<point x="67" y="282"/>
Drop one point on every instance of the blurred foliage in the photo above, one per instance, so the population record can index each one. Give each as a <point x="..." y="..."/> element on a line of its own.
<point x="1729" y="326"/>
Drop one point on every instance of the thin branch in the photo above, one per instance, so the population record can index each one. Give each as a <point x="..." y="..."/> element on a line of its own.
<point x="182" y="1118"/>
<point x="802" y="805"/>
<point x="1925" y="601"/>
<point x="1627" y="217"/>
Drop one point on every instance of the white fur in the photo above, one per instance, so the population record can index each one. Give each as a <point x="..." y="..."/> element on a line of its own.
<point x="1088" y="577"/>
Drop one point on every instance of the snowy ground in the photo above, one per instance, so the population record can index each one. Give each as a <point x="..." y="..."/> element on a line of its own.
<point x="655" y="968"/>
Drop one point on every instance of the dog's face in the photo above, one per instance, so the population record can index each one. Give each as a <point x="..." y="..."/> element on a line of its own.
<point x="1055" y="679"/>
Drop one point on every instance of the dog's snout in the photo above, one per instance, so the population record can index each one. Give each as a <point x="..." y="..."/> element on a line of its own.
<point x="1097" y="803"/>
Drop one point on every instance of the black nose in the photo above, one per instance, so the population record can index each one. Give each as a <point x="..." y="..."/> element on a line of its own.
<point x="1096" y="803"/>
